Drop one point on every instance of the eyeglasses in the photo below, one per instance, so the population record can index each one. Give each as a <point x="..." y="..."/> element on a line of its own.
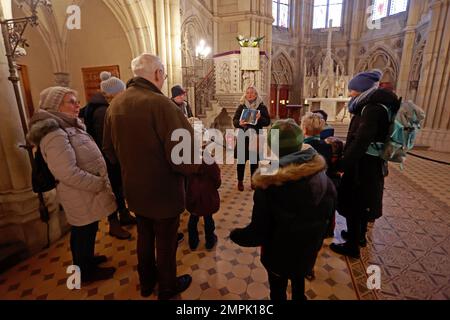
<point x="165" y="74"/>
<point x="73" y="102"/>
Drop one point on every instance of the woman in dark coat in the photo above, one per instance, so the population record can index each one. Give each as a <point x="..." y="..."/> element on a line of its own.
<point x="361" y="191"/>
<point x="251" y="100"/>
<point x="291" y="212"/>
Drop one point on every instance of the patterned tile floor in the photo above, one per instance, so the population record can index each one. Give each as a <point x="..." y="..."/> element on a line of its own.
<point x="410" y="243"/>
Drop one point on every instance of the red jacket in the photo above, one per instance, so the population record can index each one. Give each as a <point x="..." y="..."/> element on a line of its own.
<point x="202" y="197"/>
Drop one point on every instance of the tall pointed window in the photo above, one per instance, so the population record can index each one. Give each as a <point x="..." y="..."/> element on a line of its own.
<point x="384" y="8"/>
<point x="326" y="10"/>
<point x="280" y="12"/>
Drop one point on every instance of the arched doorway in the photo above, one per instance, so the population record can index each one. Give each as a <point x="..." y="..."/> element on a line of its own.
<point x="280" y="87"/>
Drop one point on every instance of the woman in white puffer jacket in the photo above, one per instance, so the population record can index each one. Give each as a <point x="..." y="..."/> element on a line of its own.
<point x="78" y="166"/>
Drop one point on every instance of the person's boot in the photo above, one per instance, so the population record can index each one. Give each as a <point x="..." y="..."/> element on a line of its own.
<point x="183" y="282"/>
<point x="126" y="219"/>
<point x="117" y="231"/>
<point x="97" y="274"/>
<point x="240" y="186"/>
<point x="96" y="260"/>
<point x="146" y="291"/>
<point x="193" y="242"/>
<point x="211" y="242"/>
<point x="345" y="250"/>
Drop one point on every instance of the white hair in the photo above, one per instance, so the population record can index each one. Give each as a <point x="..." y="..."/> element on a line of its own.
<point x="146" y="65"/>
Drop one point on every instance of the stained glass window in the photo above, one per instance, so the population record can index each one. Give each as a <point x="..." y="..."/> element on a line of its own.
<point x="326" y="10"/>
<point x="398" y="6"/>
<point x="383" y="8"/>
<point x="280" y="12"/>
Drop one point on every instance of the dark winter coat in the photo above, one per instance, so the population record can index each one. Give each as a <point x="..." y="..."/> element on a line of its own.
<point x="94" y="117"/>
<point x="362" y="184"/>
<point x="264" y="121"/>
<point x="202" y="197"/>
<point x="139" y="125"/>
<point x="291" y="212"/>
<point x="185" y="108"/>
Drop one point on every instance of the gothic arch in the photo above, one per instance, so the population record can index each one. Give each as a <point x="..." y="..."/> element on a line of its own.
<point x="192" y="31"/>
<point x="136" y="21"/>
<point x="282" y="70"/>
<point x="416" y="71"/>
<point x="317" y="61"/>
<point x="381" y="58"/>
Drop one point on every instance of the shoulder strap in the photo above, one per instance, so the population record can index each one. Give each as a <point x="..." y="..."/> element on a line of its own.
<point x="390" y="116"/>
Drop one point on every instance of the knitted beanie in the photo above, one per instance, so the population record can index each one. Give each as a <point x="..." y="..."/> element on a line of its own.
<point x="177" y="91"/>
<point x="365" y="80"/>
<point x="290" y="136"/>
<point x="51" y="98"/>
<point x="111" y="85"/>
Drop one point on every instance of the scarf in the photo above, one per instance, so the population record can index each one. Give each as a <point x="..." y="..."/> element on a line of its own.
<point x="355" y="103"/>
<point x="311" y="139"/>
<point x="253" y="105"/>
<point x="299" y="157"/>
<point x="64" y="120"/>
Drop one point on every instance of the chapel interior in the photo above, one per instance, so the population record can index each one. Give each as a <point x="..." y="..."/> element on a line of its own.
<point x="308" y="50"/>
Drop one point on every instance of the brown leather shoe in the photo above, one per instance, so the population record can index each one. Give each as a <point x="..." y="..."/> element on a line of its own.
<point x="240" y="186"/>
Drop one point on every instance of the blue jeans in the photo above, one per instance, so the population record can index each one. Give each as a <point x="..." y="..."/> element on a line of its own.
<point x="209" y="228"/>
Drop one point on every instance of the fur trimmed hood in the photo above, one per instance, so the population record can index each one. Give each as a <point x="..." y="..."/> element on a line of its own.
<point x="300" y="165"/>
<point x="43" y="123"/>
<point x="40" y="129"/>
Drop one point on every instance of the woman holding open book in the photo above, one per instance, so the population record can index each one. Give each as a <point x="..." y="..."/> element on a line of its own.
<point x="253" y="115"/>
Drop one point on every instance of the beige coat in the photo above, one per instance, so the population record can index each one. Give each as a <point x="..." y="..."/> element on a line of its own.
<point x="76" y="162"/>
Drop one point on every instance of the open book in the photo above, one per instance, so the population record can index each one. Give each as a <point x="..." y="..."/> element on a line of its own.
<point x="249" y="116"/>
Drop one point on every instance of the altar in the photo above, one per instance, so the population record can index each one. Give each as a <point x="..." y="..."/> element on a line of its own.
<point x="336" y="108"/>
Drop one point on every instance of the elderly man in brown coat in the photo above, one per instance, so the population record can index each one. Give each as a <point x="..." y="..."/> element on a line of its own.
<point x="138" y="129"/>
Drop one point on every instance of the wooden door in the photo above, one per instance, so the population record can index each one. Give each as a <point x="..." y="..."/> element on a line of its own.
<point x="91" y="79"/>
<point x="273" y="101"/>
<point x="283" y="101"/>
<point x="26" y="89"/>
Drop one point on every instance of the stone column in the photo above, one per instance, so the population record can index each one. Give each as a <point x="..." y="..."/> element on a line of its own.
<point x="408" y="48"/>
<point x="358" y="14"/>
<point x="20" y="228"/>
<point x="62" y="79"/>
<point x="161" y="43"/>
<point x="434" y="87"/>
<point x="175" y="41"/>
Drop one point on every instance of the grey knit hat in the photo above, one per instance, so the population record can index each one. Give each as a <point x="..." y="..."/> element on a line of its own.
<point x="111" y="85"/>
<point x="51" y="98"/>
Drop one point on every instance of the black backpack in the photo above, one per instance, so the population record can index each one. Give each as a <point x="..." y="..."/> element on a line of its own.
<point x="41" y="178"/>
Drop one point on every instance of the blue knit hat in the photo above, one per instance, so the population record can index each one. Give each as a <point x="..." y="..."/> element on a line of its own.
<point x="111" y="85"/>
<point x="365" y="80"/>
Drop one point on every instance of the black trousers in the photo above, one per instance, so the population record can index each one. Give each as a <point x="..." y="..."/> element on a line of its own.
<point x="209" y="227"/>
<point x="115" y="178"/>
<point x="356" y="228"/>
<point x="82" y="245"/>
<point x="241" y="170"/>
<point x="163" y="267"/>
<point x="278" y="286"/>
